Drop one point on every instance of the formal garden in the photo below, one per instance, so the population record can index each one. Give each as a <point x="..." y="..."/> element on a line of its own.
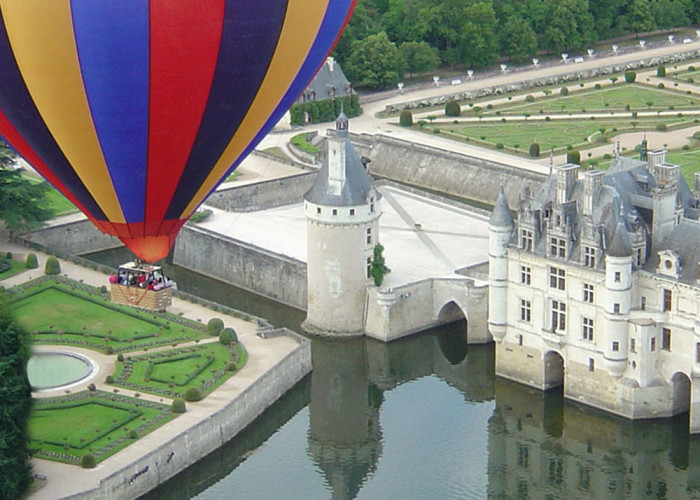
<point x="163" y="363"/>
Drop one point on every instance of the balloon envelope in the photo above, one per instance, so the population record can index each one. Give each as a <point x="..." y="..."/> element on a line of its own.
<point x="136" y="110"/>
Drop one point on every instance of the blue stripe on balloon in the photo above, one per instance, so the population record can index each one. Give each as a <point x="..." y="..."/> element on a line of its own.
<point x="117" y="90"/>
<point x="16" y="103"/>
<point x="249" y="40"/>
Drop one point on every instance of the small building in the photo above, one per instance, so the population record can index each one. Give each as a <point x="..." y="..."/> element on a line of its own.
<point x="596" y="288"/>
<point x="329" y="83"/>
<point x="141" y="285"/>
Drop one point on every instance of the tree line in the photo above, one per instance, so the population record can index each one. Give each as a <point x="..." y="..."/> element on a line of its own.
<point x="386" y="40"/>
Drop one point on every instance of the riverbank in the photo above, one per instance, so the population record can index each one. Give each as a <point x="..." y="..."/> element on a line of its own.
<point x="277" y="360"/>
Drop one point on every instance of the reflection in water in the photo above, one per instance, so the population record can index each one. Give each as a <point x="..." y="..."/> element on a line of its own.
<point x="424" y="417"/>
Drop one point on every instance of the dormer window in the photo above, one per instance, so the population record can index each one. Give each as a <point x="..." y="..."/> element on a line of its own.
<point x="669" y="263"/>
<point x="557" y="247"/>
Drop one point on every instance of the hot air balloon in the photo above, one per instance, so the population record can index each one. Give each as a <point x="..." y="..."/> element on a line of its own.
<point x="137" y="109"/>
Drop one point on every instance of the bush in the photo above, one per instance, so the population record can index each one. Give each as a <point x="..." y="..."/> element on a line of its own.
<point x="200" y="215"/>
<point x="630" y="76"/>
<point x="573" y="157"/>
<point x="120" y="357"/>
<point x="499" y="145"/>
<point x="109" y="379"/>
<point x="230" y="367"/>
<point x="88" y="461"/>
<point x="661" y="127"/>
<point x="564" y="91"/>
<point x="228" y="336"/>
<point x="597" y="86"/>
<point x="8" y="255"/>
<point x="661" y="86"/>
<point x="529" y="98"/>
<point x="406" y="118"/>
<point x="452" y="108"/>
<point x="178" y="406"/>
<point x="193" y="394"/>
<point x="214" y="326"/>
<point x="92" y="387"/>
<point x="32" y="261"/>
<point x="52" y="265"/>
<point x="661" y="71"/>
<point x="133" y="434"/>
<point x="534" y="150"/>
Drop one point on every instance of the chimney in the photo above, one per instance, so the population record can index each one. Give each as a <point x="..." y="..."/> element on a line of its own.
<point x="592" y="182"/>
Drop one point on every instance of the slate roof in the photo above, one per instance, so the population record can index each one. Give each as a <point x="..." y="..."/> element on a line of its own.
<point x="501" y="216"/>
<point x="329" y="76"/>
<point x="685" y="241"/>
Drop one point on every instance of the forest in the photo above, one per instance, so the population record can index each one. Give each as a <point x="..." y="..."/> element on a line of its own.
<point x="387" y="40"/>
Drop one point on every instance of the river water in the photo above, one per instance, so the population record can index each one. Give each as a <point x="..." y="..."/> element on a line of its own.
<point x="425" y="418"/>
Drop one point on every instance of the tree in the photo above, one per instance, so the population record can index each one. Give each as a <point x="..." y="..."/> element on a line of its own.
<point x="374" y="62"/>
<point x="669" y="14"/>
<point x="378" y="267"/>
<point x="478" y="42"/>
<point x="517" y="39"/>
<point x="569" y="25"/>
<point x="23" y="203"/>
<point x="639" y="18"/>
<point x="16" y="397"/>
<point x="417" y="57"/>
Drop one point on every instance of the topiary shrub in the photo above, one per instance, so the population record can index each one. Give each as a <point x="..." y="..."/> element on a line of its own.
<point x="452" y="108"/>
<point x="120" y="357"/>
<point x="661" y="127"/>
<point x="406" y="118"/>
<point x="230" y="367"/>
<point x="8" y="255"/>
<point x="661" y="86"/>
<point x="178" y="406"/>
<point x="228" y="336"/>
<point x="534" y="150"/>
<point x="214" y="326"/>
<point x="88" y="461"/>
<point x="32" y="261"/>
<point x="661" y="71"/>
<point x="133" y="434"/>
<point x="193" y="394"/>
<point x="109" y="379"/>
<point x="52" y="265"/>
<point x="597" y="86"/>
<point x="499" y="145"/>
<point x="573" y="157"/>
<point x="564" y="91"/>
<point x="529" y="98"/>
<point x="630" y="76"/>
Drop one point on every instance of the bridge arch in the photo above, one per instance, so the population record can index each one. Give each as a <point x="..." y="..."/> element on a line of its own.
<point x="552" y="370"/>
<point x="681" y="393"/>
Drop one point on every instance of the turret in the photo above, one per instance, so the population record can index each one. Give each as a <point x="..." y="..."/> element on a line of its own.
<point x="342" y="211"/>
<point x="618" y="286"/>
<point x="500" y="230"/>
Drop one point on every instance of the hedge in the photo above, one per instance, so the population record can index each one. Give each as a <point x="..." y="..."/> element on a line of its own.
<point x="326" y="110"/>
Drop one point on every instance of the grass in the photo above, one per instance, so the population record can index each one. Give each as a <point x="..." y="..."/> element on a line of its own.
<point x="55" y="313"/>
<point x="16" y="267"/>
<point x="171" y="373"/>
<point x="66" y="428"/>
<point x="689" y="161"/>
<point x="57" y="202"/>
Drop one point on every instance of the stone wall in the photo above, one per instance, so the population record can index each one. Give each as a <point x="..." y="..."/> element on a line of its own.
<point x="246" y="266"/>
<point x="182" y="450"/>
<point x="263" y="195"/>
<point x="74" y="237"/>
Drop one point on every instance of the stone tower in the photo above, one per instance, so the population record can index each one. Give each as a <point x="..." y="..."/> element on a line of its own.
<point x="500" y="231"/>
<point x="342" y="211"/>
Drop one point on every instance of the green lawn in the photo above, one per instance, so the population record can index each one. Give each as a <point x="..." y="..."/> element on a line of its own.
<point x="58" y="202"/>
<point x="55" y="313"/>
<point x="16" y="267"/>
<point x="613" y="98"/>
<point x="171" y="373"/>
<point x="66" y="428"/>
<point x="689" y="161"/>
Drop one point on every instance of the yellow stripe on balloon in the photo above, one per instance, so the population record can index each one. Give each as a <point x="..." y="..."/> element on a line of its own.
<point x="293" y="45"/>
<point x="43" y="42"/>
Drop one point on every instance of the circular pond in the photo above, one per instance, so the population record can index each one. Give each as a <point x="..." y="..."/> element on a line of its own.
<point x="49" y="370"/>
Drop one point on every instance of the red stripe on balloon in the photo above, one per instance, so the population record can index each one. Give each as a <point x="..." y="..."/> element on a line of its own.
<point x="185" y="39"/>
<point x="11" y="135"/>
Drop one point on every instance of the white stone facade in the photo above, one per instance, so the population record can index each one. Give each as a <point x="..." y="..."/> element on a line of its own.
<point x="596" y="289"/>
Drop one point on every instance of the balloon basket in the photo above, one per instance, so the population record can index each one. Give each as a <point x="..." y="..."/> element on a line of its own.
<point x="142" y="286"/>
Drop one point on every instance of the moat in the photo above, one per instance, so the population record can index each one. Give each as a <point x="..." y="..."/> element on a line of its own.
<point x="425" y="417"/>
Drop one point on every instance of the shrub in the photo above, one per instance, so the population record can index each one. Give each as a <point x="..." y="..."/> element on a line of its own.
<point x="230" y="367"/>
<point x="691" y="68"/>
<point x="630" y="76"/>
<point x="547" y="118"/>
<point x="8" y="255"/>
<point x="499" y="145"/>
<point x="661" y="127"/>
<point x="436" y="131"/>
<point x="88" y="461"/>
<point x="661" y="86"/>
<point x="52" y="265"/>
<point x="573" y="157"/>
<point x="92" y="387"/>
<point x="452" y="108"/>
<point x="661" y="71"/>
<point x="534" y="150"/>
<point x="120" y="357"/>
<point x="214" y="326"/>
<point x="178" y="406"/>
<point x="597" y="86"/>
<point x="406" y="118"/>
<point x="133" y="434"/>
<point x="530" y="98"/>
<point x="200" y="215"/>
<point x="103" y="289"/>
<point x="32" y="261"/>
<point x="228" y="336"/>
<point x="564" y="91"/>
<point x="109" y="379"/>
<point x="193" y="394"/>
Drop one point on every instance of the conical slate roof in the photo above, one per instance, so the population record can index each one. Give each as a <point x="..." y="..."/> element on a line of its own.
<point x="620" y="245"/>
<point x="501" y="216"/>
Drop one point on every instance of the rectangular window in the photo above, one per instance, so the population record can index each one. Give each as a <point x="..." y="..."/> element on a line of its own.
<point x="591" y="364"/>
<point x="318" y="210"/>
<point x="558" y="316"/>
<point x="526" y="239"/>
<point x="618" y="277"/>
<point x="633" y="345"/>
<point x="335" y="211"/>
<point x="589" y="256"/>
<point x="697" y="352"/>
<point x="557" y="247"/>
<point x="369" y="236"/>
<point x="653" y="344"/>
<point x="615" y="346"/>
<point x="587" y="328"/>
<point x="525" y="310"/>
<point x="668" y="300"/>
<point x="369" y="267"/>
<point x="643" y="305"/>
<point x="588" y="293"/>
<point x="352" y="211"/>
<point x="523" y="455"/>
<point x="557" y="278"/>
<point x="666" y="339"/>
<point x="639" y="257"/>
<point x="525" y="275"/>
<point x="520" y="339"/>
<point x="616" y="308"/>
